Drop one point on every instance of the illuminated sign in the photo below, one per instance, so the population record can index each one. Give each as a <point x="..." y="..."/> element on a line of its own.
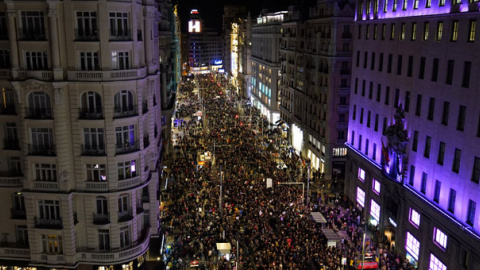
<point x="221" y="70"/>
<point x="194" y="26"/>
<point x="194" y="11"/>
<point x="217" y="62"/>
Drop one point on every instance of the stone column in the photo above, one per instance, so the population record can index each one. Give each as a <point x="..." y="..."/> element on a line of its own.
<point x="12" y="36"/>
<point x="54" y="47"/>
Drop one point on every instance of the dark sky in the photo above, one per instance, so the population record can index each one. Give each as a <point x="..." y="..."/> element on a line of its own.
<point x="212" y="10"/>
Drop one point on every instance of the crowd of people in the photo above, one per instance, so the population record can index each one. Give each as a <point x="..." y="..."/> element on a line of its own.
<point x="227" y="200"/>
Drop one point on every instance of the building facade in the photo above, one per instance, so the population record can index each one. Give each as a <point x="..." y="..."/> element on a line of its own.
<point x="80" y="122"/>
<point x="315" y="52"/>
<point x="413" y="156"/>
<point x="231" y="14"/>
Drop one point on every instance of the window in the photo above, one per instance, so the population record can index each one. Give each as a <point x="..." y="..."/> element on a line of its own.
<point x="356" y="85"/>
<point x="4" y="59"/>
<point x="436" y="195"/>
<point x="431" y="109"/>
<point x="358" y="59"/>
<point x="471" y="212"/>
<point x="11" y="136"/>
<point x="412" y="245"/>
<point x="89" y="61"/>
<point x="384" y="31"/>
<point x="421" y="72"/>
<point x="96" y="172"/>
<point x="387" y="95"/>
<point x="379" y="92"/>
<point x="361" y="174"/>
<point x="124" y="101"/>
<point x="435" y="70"/>
<point x="426" y="152"/>
<point x="93" y="140"/>
<point x="436" y="264"/>
<point x="440" y="238"/>
<point x="446" y="109"/>
<point x="52" y="244"/>
<point x="360" y="142"/>
<point x="467" y="65"/>
<point x="404" y="7"/>
<point x="374" y="152"/>
<point x="33" y="25"/>
<point x="354" y="113"/>
<point x="402" y="29"/>
<point x="49" y="209"/>
<point x="365" y="58"/>
<point x="439" y="31"/>
<point x="394" y="6"/>
<point x="461" y="118"/>
<point x="366" y="146"/>
<point x="476" y="171"/>
<point x="102" y="205"/>
<point x="410" y="66"/>
<point x="36" y="60"/>
<point x="407" y="101"/>
<point x="353" y="138"/>
<point x="375" y="210"/>
<point x="423" y="187"/>
<point x="385" y="4"/>
<point x="361" y="116"/>
<point x="360" y="197"/>
<point x="39" y="105"/>
<point x="103" y="239"/>
<point x="370" y="93"/>
<point x="411" y="180"/>
<point x="120" y="60"/>
<point x="471" y="30"/>
<point x="399" y="65"/>
<point x="372" y="62"/>
<point x="428" y="3"/>
<point x="127" y="170"/>
<point x="125" y="236"/>
<point x="418" y="108"/>
<point x="376" y="123"/>
<point x="441" y="3"/>
<point x="87" y="25"/>
<point x="451" y="200"/>
<point x="397" y="98"/>
<point x="456" y="160"/>
<point x="367" y="31"/>
<point x="46" y="172"/>
<point x="426" y="29"/>
<point x="91" y="104"/>
<point x="415" y="141"/>
<point x="441" y="153"/>
<point x="392" y="31"/>
<point x="376" y="186"/>
<point x="368" y="118"/>
<point x="415" y="4"/>
<point x="118" y="24"/>
<point x="21" y="235"/>
<point x="414" y="218"/>
<point x="375" y="29"/>
<point x="384" y="125"/>
<point x="389" y="64"/>
<point x="380" y="62"/>
<point x="454" y="31"/>
<point x="449" y="75"/>
<point x="123" y="203"/>
<point x="3" y="26"/>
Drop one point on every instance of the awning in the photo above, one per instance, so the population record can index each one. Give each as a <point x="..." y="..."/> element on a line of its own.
<point x="331" y="235"/>
<point x="318" y="217"/>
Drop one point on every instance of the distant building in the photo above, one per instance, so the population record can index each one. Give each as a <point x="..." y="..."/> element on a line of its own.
<point x="231" y="14"/>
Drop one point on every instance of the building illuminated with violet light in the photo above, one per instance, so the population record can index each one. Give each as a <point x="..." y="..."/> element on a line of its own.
<point x="414" y="128"/>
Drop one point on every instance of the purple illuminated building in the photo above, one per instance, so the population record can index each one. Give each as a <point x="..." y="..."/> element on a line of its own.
<point x="413" y="153"/>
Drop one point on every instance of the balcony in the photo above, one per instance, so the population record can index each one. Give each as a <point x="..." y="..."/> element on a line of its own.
<point x="93" y="150"/>
<point x="18" y="213"/>
<point x="11" y="144"/>
<point x="15" y="251"/>
<point x="86" y="35"/>
<point x="120" y="35"/>
<point x="45" y="223"/>
<point x="130" y="182"/>
<point x="31" y="34"/>
<point x="125" y="112"/>
<point x="11" y="179"/>
<point x="109" y="75"/>
<point x="5" y="74"/>
<point x="95" y="186"/>
<point x="8" y="109"/>
<point x="125" y="216"/>
<point x="101" y="219"/>
<point x="128" y="147"/>
<point x="46" y="185"/>
<point x="42" y="150"/>
<point x="91" y="114"/>
<point x="42" y="75"/>
<point x="38" y="113"/>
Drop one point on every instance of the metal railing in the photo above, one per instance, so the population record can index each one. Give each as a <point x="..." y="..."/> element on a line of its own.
<point x="125" y="112"/>
<point x="31" y="34"/>
<point x="47" y="150"/>
<point x="86" y="35"/>
<point x="93" y="150"/>
<point x="91" y="114"/>
<point x="120" y="34"/>
<point x="128" y="147"/>
<point x="8" y="109"/>
<point x="18" y="213"/>
<point x="101" y="219"/>
<point x="48" y="223"/>
<point x="38" y="113"/>
<point x="125" y="216"/>
<point x="11" y="144"/>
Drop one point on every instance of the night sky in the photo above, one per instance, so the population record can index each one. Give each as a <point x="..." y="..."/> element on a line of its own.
<point x="212" y="10"/>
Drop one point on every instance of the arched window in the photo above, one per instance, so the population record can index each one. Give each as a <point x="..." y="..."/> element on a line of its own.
<point x="39" y="105"/>
<point x="124" y="101"/>
<point x="91" y="105"/>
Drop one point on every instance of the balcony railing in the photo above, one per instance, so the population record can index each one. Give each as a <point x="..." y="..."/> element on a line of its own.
<point x="11" y="179"/>
<point x="46" y="185"/>
<point x="86" y="35"/>
<point x="48" y="223"/>
<point x="42" y="150"/>
<point x="101" y="219"/>
<point x="96" y="186"/>
<point x="31" y="34"/>
<point x="39" y="113"/>
<point x="125" y="216"/>
<point x="11" y="144"/>
<point x="125" y="112"/>
<point x="130" y="182"/>
<point x="18" y="213"/>
<point x="93" y="150"/>
<point x="121" y="34"/>
<point x="128" y="147"/>
<point x="107" y="75"/>
<point x="8" y="109"/>
<point x="91" y="114"/>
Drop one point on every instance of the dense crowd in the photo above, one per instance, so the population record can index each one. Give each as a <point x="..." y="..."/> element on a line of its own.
<point x="227" y="200"/>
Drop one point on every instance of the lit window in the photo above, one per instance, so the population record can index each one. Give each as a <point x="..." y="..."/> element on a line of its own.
<point x="455" y="31"/>
<point x="376" y="186"/>
<point x="361" y="174"/>
<point x="414" y="217"/>
<point x="436" y="264"/>
<point x="471" y="31"/>
<point x="412" y="246"/>
<point x="439" y="31"/>
<point x="360" y="197"/>
<point x="375" y="210"/>
<point x="440" y="238"/>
